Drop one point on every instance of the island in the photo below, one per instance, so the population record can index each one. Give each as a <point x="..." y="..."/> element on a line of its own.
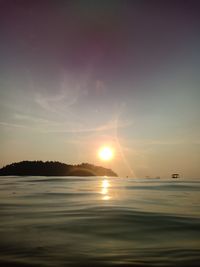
<point x="54" y="168"/>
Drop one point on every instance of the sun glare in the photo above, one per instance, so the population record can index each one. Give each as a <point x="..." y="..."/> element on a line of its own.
<point x="106" y="153"/>
<point x="104" y="191"/>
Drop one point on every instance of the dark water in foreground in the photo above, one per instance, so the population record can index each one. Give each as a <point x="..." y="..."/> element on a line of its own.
<point x="67" y="221"/>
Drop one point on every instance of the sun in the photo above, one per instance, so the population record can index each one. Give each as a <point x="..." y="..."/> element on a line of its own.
<point x="106" y="153"/>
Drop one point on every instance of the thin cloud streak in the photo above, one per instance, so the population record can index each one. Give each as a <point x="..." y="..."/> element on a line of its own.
<point x="7" y="124"/>
<point x="110" y="126"/>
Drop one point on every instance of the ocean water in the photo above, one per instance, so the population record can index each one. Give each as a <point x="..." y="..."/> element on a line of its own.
<point x="99" y="221"/>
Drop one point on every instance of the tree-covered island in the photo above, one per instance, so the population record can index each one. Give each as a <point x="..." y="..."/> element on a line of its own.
<point x="54" y="168"/>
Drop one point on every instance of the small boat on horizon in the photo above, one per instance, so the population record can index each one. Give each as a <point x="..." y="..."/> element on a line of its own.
<point x="175" y="175"/>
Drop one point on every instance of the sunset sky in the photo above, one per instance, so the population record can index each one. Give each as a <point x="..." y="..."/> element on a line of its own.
<point x="79" y="75"/>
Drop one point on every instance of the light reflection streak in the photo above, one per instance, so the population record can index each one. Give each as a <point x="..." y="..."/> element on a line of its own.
<point x="104" y="189"/>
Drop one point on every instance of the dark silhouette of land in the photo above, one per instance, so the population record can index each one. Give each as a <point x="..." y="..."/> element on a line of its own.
<point x="54" y="168"/>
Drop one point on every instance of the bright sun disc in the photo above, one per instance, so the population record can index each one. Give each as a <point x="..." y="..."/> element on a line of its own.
<point x="106" y="153"/>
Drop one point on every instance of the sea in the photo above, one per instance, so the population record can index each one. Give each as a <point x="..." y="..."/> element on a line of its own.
<point x="99" y="221"/>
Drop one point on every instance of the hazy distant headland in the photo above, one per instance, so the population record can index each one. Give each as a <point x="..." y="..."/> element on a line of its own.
<point x="54" y="168"/>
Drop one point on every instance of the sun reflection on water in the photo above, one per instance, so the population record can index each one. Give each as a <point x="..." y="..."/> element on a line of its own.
<point x="104" y="189"/>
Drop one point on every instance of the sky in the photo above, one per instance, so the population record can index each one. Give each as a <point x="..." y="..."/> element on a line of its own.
<point x="78" y="75"/>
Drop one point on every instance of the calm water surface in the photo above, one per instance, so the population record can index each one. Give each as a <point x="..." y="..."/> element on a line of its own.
<point x="67" y="221"/>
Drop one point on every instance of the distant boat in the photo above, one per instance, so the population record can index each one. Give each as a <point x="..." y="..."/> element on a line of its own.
<point x="175" y="175"/>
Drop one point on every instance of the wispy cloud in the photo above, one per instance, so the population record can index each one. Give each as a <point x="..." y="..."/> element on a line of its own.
<point x="8" y="124"/>
<point x="164" y="142"/>
<point x="52" y="126"/>
<point x="112" y="125"/>
<point x="24" y="117"/>
<point x="67" y="94"/>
